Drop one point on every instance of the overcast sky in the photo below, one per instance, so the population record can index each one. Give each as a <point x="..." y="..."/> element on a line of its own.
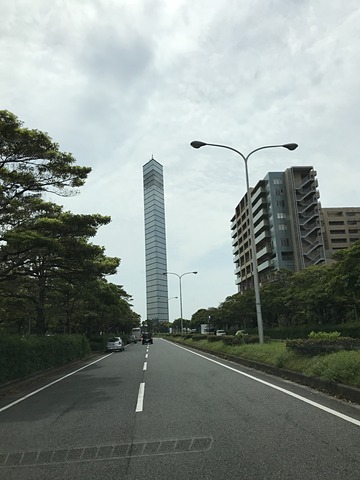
<point x="117" y="81"/>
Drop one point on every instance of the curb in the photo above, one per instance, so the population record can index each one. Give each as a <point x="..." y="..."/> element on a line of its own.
<point x="344" y="392"/>
<point x="14" y="385"/>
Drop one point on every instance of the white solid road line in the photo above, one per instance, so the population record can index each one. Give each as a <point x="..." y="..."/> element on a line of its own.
<point x="145" y="366"/>
<point x="283" y="390"/>
<point x="52" y="383"/>
<point x="140" y="400"/>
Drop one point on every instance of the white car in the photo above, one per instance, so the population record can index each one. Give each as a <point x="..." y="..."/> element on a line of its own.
<point x="115" y="344"/>
<point x="220" y="332"/>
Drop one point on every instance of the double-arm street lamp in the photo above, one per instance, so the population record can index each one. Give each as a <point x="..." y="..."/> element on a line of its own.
<point x="180" y="293"/>
<point x="289" y="146"/>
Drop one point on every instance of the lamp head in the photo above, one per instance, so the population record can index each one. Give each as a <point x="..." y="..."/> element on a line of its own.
<point x="197" y="144"/>
<point x="290" y="146"/>
<point x="195" y="272"/>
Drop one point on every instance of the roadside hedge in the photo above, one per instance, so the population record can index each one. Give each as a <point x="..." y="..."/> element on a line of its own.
<point x="320" y="346"/>
<point x="214" y="338"/>
<point x="236" y="340"/>
<point x="303" y="331"/>
<point x="21" y="357"/>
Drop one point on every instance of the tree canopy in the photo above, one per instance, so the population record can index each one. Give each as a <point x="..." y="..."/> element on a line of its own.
<point x="51" y="275"/>
<point x="322" y="295"/>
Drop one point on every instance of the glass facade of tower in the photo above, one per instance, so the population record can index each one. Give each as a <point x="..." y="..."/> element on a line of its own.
<point x="155" y="242"/>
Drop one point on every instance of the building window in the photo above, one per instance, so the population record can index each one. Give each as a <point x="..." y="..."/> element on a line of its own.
<point x="280" y="203"/>
<point x="353" y="231"/>
<point x="285" y="242"/>
<point x="281" y="215"/>
<point x="336" y="223"/>
<point x="277" y="181"/>
<point x="282" y="226"/>
<point x="350" y="214"/>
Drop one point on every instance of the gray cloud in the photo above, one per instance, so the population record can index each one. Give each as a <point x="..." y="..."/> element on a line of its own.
<point x="116" y="81"/>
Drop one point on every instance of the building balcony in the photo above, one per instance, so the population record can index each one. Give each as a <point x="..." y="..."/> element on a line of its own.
<point x="262" y="236"/>
<point x="259" y="215"/>
<point x="255" y="206"/>
<point x="264" y="251"/>
<point x="260" y="191"/>
<point x="263" y="224"/>
<point x="264" y="265"/>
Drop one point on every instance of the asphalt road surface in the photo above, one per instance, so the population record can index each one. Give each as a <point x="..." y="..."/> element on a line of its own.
<point x="165" y="412"/>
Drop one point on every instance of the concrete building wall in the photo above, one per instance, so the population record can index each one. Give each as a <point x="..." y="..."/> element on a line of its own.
<point x="340" y="228"/>
<point x="286" y="226"/>
<point x="304" y="211"/>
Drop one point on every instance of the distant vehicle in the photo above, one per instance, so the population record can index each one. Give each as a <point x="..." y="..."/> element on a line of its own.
<point x="135" y="335"/>
<point x="241" y="333"/>
<point x="146" y="338"/>
<point x="220" y="332"/>
<point x="115" y="344"/>
<point x="204" y="329"/>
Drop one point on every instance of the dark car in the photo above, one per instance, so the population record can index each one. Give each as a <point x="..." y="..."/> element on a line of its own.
<point x="146" y="338"/>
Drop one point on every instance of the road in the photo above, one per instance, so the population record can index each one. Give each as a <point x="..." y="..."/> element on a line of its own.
<point x="165" y="412"/>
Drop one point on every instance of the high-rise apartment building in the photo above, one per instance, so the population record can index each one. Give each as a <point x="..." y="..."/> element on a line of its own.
<point x="341" y="228"/>
<point x="287" y="227"/>
<point x="157" y="307"/>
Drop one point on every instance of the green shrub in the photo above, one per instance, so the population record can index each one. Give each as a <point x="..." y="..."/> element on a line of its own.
<point x="252" y="339"/>
<point x="341" y="367"/>
<point x="232" y="340"/>
<point x="197" y="338"/>
<point x="303" y="331"/>
<point x="97" y="343"/>
<point x="24" y="356"/>
<point x="214" y="338"/>
<point x="325" y="335"/>
<point x="318" y="346"/>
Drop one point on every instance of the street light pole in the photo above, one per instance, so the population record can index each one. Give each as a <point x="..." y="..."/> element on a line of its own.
<point x="180" y="293"/>
<point x="289" y="146"/>
<point x="170" y="298"/>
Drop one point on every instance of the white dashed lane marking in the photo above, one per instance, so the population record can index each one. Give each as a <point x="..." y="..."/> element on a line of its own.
<point x="140" y="400"/>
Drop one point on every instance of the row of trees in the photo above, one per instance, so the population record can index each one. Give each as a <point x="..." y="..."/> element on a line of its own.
<point x="323" y="295"/>
<point x="52" y="278"/>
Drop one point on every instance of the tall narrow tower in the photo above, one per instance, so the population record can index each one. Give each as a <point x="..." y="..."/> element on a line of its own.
<point x="157" y="307"/>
